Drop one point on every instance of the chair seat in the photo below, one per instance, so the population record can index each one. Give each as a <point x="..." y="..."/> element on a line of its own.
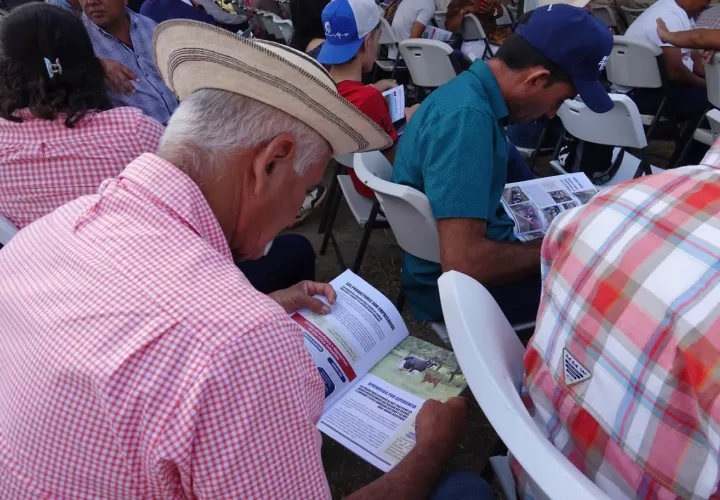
<point x="705" y="136"/>
<point x="385" y="64"/>
<point x="501" y="466"/>
<point x="359" y="205"/>
<point x="647" y="119"/>
<point x="625" y="173"/>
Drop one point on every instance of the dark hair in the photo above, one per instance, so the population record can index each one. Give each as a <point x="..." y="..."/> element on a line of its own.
<point x="35" y="32"/>
<point x="307" y="24"/>
<point x="517" y="55"/>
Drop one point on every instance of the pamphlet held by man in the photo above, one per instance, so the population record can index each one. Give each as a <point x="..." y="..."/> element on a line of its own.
<point x="376" y="376"/>
<point x="433" y="33"/>
<point x="534" y="204"/>
<point x="395" y="99"/>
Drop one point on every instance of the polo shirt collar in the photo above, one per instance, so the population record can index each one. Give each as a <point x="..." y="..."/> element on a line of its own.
<point x="165" y="185"/>
<point x="131" y="15"/>
<point x="490" y="85"/>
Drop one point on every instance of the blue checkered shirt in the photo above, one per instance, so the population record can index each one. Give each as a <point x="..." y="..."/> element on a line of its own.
<point x="151" y="94"/>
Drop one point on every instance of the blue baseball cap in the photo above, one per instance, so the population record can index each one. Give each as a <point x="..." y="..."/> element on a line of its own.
<point x="578" y="43"/>
<point x="347" y="23"/>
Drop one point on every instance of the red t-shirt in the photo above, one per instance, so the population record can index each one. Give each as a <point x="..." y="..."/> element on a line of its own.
<point x="371" y="102"/>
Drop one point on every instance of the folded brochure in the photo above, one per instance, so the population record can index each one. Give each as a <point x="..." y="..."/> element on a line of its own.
<point x="376" y="376"/>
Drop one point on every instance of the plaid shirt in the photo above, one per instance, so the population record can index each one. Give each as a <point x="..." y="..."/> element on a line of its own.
<point x="623" y="372"/>
<point x="138" y="361"/>
<point x="45" y="164"/>
<point x="151" y="94"/>
<point x="709" y="19"/>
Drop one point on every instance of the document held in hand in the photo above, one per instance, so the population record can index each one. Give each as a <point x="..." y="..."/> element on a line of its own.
<point x="395" y="99"/>
<point x="376" y="376"/>
<point x="433" y="33"/>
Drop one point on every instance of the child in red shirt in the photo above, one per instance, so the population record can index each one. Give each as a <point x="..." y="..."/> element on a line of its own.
<point x="352" y="29"/>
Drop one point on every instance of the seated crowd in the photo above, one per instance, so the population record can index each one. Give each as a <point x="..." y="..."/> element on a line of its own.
<point x="152" y="167"/>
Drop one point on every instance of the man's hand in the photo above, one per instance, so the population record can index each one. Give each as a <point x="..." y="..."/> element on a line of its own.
<point x="409" y="112"/>
<point x="708" y="55"/>
<point x="301" y="295"/>
<point x="118" y="77"/>
<point x="439" y="426"/>
<point x="663" y="32"/>
<point x="383" y="85"/>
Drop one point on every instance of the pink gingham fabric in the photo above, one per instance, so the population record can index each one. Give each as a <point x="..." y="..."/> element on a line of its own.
<point x="44" y="164"/>
<point x="137" y="362"/>
<point x="632" y="294"/>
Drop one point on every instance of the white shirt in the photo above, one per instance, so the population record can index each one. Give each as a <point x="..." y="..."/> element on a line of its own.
<point x="675" y="18"/>
<point x="406" y="14"/>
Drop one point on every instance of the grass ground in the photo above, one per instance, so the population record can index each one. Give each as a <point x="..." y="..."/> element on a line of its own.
<point x="381" y="268"/>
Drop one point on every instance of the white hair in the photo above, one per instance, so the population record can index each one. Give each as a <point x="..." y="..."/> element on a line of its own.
<point x="211" y="124"/>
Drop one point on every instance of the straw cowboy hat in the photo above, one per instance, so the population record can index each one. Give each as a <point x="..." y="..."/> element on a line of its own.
<point x="192" y="56"/>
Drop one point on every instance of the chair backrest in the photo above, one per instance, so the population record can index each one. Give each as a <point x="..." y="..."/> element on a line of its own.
<point x="605" y="14"/>
<point x="491" y="358"/>
<point x="407" y="210"/>
<point x="631" y="15"/>
<point x="428" y="61"/>
<point x="621" y="126"/>
<point x="506" y="18"/>
<point x="471" y="28"/>
<point x="283" y="26"/>
<point x="634" y="63"/>
<point x="713" y="118"/>
<point x="387" y="33"/>
<point x="440" y="18"/>
<point x="712" y="80"/>
<point x="7" y="230"/>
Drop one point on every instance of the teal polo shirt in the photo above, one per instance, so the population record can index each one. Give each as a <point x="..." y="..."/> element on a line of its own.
<point x="454" y="150"/>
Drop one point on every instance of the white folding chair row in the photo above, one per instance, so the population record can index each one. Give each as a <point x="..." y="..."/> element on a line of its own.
<point x="7" y="230"/>
<point x="606" y="16"/>
<point x="631" y="15"/>
<point x="408" y="212"/>
<point x="472" y="30"/>
<point x="428" y="61"/>
<point x="389" y="40"/>
<point x="620" y="127"/>
<point x="490" y="355"/>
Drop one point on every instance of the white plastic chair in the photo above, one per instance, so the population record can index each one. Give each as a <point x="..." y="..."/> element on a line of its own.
<point x="7" y="230"/>
<point x="471" y="30"/>
<point x="387" y="38"/>
<point x="631" y="15"/>
<point x="282" y="27"/>
<point x="637" y="63"/>
<point x="365" y="211"/>
<point x="605" y="14"/>
<point x="506" y="18"/>
<point x="619" y="127"/>
<point x="491" y="358"/>
<point x="428" y="62"/>
<point x="440" y="18"/>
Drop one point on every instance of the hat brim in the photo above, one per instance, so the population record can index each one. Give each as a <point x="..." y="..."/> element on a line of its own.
<point x="594" y="95"/>
<point x="191" y="56"/>
<point x="339" y="54"/>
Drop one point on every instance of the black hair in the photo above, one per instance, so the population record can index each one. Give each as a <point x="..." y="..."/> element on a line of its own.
<point x="35" y="32"/>
<point x="306" y="16"/>
<point x="517" y="55"/>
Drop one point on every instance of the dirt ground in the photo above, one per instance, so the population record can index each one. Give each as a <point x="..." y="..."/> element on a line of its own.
<point x="381" y="268"/>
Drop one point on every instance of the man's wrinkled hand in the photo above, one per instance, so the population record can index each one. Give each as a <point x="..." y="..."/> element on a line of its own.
<point x="439" y="426"/>
<point x="118" y="77"/>
<point x="302" y="296"/>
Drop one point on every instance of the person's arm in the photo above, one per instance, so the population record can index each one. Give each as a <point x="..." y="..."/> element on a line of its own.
<point x="423" y="18"/>
<point x="698" y="66"/>
<point x="677" y="72"/>
<point x="690" y="39"/>
<point x="439" y="427"/>
<point x="417" y="30"/>
<point x="456" y="12"/>
<point x="464" y="248"/>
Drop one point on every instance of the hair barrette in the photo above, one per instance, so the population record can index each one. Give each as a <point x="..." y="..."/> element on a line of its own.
<point x="53" y="68"/>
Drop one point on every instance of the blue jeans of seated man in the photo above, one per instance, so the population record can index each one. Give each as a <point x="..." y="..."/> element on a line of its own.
<point x="291" y="260"/>
<point x="517" y="169"/>
<point x="462" y="486"/>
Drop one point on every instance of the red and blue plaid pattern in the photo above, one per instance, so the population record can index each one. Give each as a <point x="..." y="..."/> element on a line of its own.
<point x="632" y="293"/>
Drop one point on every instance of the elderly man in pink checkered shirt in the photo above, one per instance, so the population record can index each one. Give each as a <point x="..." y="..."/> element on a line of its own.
<point x="136" y="360"/>
<point x="623" y="372"/>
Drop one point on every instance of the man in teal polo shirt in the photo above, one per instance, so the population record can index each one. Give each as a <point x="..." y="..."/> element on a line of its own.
<point x="455" y="151"/>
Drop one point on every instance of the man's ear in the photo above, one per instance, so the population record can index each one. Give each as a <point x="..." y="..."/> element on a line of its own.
<point x="537" y="77"/>
<point x="273" y="159"/>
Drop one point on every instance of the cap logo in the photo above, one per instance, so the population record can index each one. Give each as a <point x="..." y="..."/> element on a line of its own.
<point x="330" y="34"/>
<point x="603" y="62"/>
<point x="550" y="7"/>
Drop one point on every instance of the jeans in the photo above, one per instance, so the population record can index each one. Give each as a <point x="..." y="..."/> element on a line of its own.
<point x="291" y="260"/>
<point x="517" y="169"/>
<point x="462" y="486"/>
<point x="519" y="300"/>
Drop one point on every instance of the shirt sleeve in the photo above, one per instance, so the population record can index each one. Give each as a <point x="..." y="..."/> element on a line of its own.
<point x="458" y="164"/>
<point x="673" y="23"/>
<point x="375" y="108"/>
<point x="426" y="13"/>
<point x="149" y="134"/>
<point x="255" y="432"/>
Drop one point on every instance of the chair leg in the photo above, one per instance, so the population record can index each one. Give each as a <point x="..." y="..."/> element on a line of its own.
<point x="688" y="141"/>
<point x="335" y="202"/>
<point x="334" y="186"/>
<point x="369" y="225"/>
<point x="656" y="119"/>
<point x="644" y="166"/>
<point x="400" y="301"/>
<point x="536" y="152"/>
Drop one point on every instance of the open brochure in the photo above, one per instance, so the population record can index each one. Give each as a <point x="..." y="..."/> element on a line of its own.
<point x="376" y="376"/>
<point x="534" y="204"/>
<point x="395" y="99"/>
<point x="433" y="33"/>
